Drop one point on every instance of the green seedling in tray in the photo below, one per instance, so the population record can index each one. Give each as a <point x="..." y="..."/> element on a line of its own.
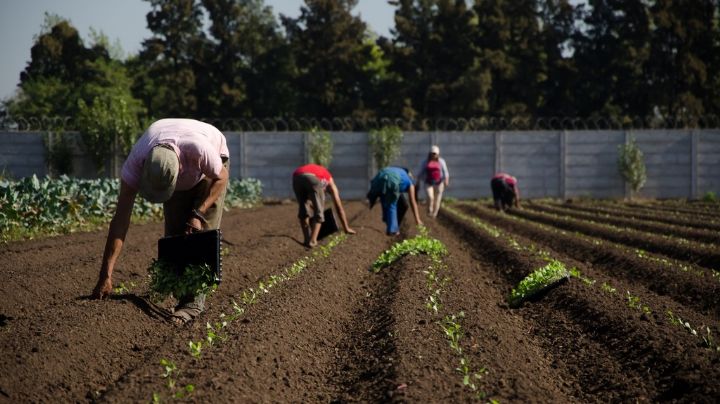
<point x="194" y="280"/>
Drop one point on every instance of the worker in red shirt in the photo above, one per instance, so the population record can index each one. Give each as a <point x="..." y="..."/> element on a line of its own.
<point x="309" y="184"/>
<point x="505" y="191"/>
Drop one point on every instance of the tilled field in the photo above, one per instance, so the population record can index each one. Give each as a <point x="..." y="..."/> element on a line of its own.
<point x="638" y="321"/>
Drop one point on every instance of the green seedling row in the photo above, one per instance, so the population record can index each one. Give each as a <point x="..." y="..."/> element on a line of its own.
<point x="216" y="330"/>
<point x="640" y="253"/>
<point x="639" y="233"/>
<point x="436" y="282"/>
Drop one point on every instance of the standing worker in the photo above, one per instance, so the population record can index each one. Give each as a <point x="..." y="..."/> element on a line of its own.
<point x="184" y="164"/>
<point x="505" y="191"/>
<point x="309" y="184"/>
<point x="436" y="176"/>
<point x="388" y="185"/>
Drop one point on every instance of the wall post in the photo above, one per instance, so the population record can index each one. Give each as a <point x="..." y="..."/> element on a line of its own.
<point x="563" y="164"/>
<point x="498" y="151"/>
<point x="694" y="138"/>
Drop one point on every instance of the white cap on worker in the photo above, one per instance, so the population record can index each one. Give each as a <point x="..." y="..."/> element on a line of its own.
<point x="435" y="149"/>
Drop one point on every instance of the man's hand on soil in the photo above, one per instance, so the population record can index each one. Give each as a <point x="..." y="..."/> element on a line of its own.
<point x="103" y="288"/>
<point x="350" y="231"/>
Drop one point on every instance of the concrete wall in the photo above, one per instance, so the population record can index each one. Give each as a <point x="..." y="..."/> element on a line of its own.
<point x="680" y="163"/>
<point x="22" y="154"/>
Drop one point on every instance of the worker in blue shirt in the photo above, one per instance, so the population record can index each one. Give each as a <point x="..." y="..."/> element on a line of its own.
<point x="389" y="185"/>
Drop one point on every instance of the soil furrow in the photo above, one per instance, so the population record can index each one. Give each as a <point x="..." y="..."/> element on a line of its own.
<point x="702" y="293"/>
<point x="705" y="255"/>
<point x="652" y="216"/>
<point x="700" y="235"/>
<point x="519" y="367"/>
<point x="632" y="361"/>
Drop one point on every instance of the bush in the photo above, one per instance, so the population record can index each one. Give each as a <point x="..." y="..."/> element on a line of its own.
<point x="631" y="165"/>
<point x="710" y="196"/>
<point x="321" y="147"/>
<point x="385" y="145"/>
<point x="243" y="193"/>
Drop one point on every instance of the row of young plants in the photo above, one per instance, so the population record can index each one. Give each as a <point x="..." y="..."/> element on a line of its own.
<point x="216" y="331"/>
<point x="539" y="279"/>
<point x="49" y="206"/>
<point x="708" y="223"/>
<point x="681" y="232"/>
<point x="634" y="302"/>
<point x="640" y="253"/>
<point x="631" y="300"/>
<point x="675" y="239"/>
<point x="436" y="281"/>
<point x="703" y="254"/>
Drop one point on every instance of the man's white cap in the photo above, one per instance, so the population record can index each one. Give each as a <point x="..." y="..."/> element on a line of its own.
<point x="435" y="149"/>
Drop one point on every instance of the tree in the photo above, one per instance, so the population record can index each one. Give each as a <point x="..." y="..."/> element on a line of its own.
<point x="614" y="49"/>
<point x="510" y="41"/>
<point x="684" y="50"/>
<point x="385" y="145"/>
<point x="321" y="147"/>
<point x="558" y="91"/>
<point x="435" y="60"/>
<point x="110" y="122"/>
<point x="328" y="45"/>
<point x="170" y="62"/>
<point x="250" y="69"/>
<point x="60" y="67"/>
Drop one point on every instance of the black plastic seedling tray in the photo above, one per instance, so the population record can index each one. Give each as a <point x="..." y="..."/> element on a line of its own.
<point x="329" y="226"/>
<point x="193" y="249"/>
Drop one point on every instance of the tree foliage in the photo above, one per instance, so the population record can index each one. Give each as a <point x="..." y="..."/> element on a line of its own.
<point x="443" y="58"/>
<point x="327" y="42"/>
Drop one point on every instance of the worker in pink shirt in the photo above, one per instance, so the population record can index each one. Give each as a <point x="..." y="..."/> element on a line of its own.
<point x="309" y="184"/>
<point x="184" y="164"/>
<point x="505" y="191"/>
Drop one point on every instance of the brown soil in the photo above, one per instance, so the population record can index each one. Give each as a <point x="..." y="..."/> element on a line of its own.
<point x="675" y="230"/>
<point x="704" y="254"/>
<point x="338" y="332"/>
<point x="695" y="208"/>
<point x="697" y="288"/>
<point x="686" y="220"/>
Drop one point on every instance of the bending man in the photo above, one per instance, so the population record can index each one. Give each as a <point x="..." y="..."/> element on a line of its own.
<point x="310" y="183"/>
<point x="184" y="164"/>
<point x="505" y="191"/>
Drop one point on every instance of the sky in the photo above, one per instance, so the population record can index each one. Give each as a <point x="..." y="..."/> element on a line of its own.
<point x="121" y="20"/>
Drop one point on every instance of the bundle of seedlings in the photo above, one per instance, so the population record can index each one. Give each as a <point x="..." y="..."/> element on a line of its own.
<point x="538" y="282"/>
<point x="166" y="279"/>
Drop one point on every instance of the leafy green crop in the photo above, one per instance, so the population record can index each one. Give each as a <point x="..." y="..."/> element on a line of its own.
<point x="165" y="281"/>
<point x="538" y="280"/>
<point x="421" y="244"/>
<point x="60" y="205"/>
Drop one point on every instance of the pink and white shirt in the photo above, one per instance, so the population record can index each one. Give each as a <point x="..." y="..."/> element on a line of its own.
<point x="199" y="146"/>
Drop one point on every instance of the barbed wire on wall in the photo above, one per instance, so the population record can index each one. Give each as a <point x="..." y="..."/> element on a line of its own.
<point x="348" y="124"/>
